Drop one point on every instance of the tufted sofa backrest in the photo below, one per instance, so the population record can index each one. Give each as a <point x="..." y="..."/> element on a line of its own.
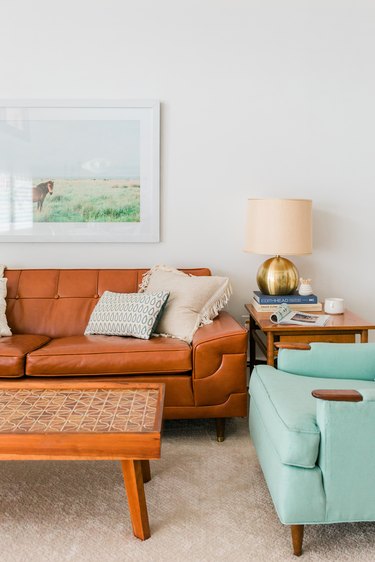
<point x="58" y="302"/>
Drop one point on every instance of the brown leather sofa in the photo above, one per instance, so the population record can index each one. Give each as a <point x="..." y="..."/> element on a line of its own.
<point x="48" y="310"/>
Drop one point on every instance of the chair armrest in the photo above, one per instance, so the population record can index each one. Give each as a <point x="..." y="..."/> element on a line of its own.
<point x="291" y="345"/>
<point x="347" y="456"/>
<point x="338" y="395"/>
<point x="219" y="360"/>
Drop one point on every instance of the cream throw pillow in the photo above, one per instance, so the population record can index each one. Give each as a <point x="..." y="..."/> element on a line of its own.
<point x="4" y="328"/>
<point x="193" y="300"/>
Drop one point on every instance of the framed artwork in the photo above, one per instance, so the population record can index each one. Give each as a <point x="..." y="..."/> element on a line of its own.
<point x="79" y="171"/>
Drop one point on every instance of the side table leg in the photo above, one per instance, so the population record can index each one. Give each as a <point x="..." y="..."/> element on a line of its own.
<point x="252" y="351"/>
<point x="146" y="471"/>
<point x="270" y="349"/>
<point x="364" y="336"/>
<point x="133" y="477"/>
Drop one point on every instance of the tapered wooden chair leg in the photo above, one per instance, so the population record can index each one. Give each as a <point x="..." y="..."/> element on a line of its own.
<point x="220" y="429"/>
<point x="297" y="538"/>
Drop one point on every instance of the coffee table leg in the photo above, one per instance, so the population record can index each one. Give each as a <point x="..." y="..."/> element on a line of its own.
<point x="133" y="477"/>
<point x="146" y="471"/>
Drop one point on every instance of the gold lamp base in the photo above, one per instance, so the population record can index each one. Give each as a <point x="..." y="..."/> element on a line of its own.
<point x="277" y="276"/>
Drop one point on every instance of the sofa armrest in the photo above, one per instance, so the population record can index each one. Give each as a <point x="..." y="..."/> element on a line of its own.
<point x="347" y="455"/>
<point x="219" y="360"/>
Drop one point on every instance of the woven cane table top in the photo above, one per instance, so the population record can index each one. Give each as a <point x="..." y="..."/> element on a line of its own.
<point x="78" y="411"/>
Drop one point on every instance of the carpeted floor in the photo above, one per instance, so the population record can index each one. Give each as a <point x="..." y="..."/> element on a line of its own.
<point x="207" y="502"/>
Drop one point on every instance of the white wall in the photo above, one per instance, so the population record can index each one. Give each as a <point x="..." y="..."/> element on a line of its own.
<point x="260" y="98"/>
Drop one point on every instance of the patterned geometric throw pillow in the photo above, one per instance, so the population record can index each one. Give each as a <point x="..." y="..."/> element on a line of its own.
<point x="127" y="314"/>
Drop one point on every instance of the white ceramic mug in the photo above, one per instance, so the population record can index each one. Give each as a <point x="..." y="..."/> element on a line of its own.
<point x="334" y="306"/>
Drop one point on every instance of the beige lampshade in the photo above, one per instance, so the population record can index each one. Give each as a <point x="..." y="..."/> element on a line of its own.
<point x="279" y="226"/>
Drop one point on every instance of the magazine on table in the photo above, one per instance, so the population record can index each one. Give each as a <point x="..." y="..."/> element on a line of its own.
<point x="285" y="315"/>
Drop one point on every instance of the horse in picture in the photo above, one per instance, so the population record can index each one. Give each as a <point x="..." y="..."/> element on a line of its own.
<point x="40" y="192"/>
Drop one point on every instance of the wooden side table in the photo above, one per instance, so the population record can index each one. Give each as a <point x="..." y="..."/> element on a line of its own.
<point x="341" y="328"/>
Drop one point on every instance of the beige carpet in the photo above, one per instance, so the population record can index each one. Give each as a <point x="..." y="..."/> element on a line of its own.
<point x="207" y="502"/>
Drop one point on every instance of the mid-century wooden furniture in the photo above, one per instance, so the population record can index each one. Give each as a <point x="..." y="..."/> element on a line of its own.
<point x="341" y="328"/>
<point x="48" y="311"/>
<point x="312" y="423"/>
<point x="87" y="420"/>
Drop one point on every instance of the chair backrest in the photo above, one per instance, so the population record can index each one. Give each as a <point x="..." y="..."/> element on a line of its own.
<point x="58" y="302"/>
<point x="330" y="360"/>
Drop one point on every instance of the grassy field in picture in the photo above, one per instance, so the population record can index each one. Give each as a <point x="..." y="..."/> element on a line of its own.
<point x="90" y="200"/>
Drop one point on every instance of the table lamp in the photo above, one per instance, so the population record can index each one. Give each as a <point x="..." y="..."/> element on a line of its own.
<point x="278" y="227"/>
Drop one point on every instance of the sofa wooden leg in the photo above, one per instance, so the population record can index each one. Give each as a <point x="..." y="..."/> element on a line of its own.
<point x="220" y="429"/>
<point x="297" y="538"/>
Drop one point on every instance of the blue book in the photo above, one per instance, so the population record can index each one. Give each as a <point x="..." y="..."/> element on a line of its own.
<point x="294" y="298"/>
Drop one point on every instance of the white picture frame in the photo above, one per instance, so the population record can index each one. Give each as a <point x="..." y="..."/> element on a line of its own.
<point x="103" y="161"/>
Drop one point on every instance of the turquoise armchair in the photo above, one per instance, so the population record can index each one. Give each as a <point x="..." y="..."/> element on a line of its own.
<point x="312" y="422"/>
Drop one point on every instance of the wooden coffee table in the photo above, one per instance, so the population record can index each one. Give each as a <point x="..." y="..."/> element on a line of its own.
<point x="86" y="420"/>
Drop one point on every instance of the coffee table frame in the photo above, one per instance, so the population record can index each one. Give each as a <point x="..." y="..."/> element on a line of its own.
<point x="133" y="449"/>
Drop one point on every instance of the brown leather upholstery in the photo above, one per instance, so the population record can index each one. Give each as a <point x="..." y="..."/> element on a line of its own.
<point x="109" y="355"/>
<point x="58" y="302"/>
<point x="13" y="350"/>
<point x="206" y="379"/>
<point x="219" y="361"/>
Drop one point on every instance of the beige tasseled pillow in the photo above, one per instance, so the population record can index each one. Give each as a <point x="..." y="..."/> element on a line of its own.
<point x="193" y="301"/>
<point x="4" y="328"/>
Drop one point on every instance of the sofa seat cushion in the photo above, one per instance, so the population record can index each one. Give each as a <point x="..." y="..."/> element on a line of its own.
<point x="13" y="350"/>
<point x="101" y="355"/>
<point x="288" y="411"/>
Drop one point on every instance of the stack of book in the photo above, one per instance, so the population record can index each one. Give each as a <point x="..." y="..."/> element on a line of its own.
<point x="270" y="303"/>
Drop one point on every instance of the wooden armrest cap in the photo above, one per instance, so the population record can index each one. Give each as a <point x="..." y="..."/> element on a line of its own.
<point x="296" y="345"/>
<point x="338" y="395"/>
